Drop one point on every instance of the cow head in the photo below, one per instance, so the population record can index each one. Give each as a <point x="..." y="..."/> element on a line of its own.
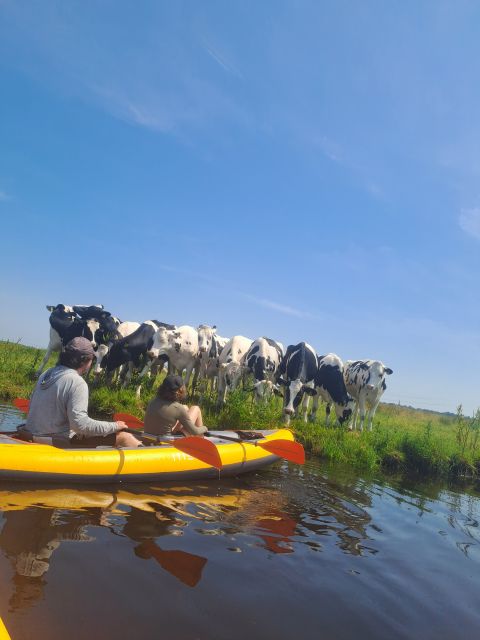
<point x="232" y="372"/>
<point x="205" y="337"/>
<point x="100" y="354"/>
<point x="162" y="341"/>
<point x="376" y="376"/>
<point x="263" y="389"/>
<point x="294" y="391"/>
<point x="90" y="330"/>
<point x="344" y="411"/>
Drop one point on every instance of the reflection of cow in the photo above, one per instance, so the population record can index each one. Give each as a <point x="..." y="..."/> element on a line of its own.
<point x="330" y="386"/>
<point x="262" y="361"/>
<point x="365" y="381"/>
<point x="297" y="374"/>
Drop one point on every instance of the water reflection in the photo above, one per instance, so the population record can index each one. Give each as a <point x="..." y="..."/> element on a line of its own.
<point x="29" y="538"/>
<point x="37" y="521"/>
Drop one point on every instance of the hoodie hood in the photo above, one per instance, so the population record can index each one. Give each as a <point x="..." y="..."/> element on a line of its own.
<point x="52" y="375"/>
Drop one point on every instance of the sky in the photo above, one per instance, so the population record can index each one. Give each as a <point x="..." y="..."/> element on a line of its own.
<point x="294" y="169"/>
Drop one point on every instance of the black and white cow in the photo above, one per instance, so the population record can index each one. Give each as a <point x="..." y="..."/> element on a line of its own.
<point x="210" y="346"/>
<point x="66" y="323"/>
<point x="262" y="361"/>
<point x="123" y="330"/>
<point x="330" y="387"/>
<point x="132" y="349"/>
<point x="297" y="373"/>
<point x="365" y="381"/>
<point x="230" y="366"/>
<point x="179" y="345"/>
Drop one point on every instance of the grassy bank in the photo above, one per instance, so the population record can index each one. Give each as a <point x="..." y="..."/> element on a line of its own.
<point x="402" y="438"/>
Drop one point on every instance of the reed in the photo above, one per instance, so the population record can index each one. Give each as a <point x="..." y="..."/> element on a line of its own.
<point x="402" y="439"/>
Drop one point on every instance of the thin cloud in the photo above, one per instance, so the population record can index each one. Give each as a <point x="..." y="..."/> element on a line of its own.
<point x="469" y="222"/>
<point x="276" y="306"/>
<point x="220" y="59"/>
<point x="262" y="302"/>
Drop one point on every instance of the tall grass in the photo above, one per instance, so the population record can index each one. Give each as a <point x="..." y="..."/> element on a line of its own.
<point x="401" y="439"/>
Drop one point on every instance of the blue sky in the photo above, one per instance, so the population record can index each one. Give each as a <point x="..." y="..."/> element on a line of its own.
<point x="301" y="170"/>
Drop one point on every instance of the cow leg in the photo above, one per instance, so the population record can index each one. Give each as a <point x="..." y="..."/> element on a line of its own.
<point x="361" y="408"/>
<point x="371" y="415"/>
<point x="50" y="349"/>
<point x="353" y="423"/>
<point x="313" y="413"/>
<point x="327" y="414"/>
<point x="188" y="373"/>
<point x="222" y="390"/>
<point x="146" y="369"/>
<point x="304" y="405"/>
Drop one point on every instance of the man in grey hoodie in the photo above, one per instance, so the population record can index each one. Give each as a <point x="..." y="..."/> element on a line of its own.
<point x="59" y="405"/>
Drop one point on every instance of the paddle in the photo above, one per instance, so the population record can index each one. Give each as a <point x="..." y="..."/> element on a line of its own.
<point x="22" y="403"/>
<point x="292" y="451"/>
<point x="196" y="447"/>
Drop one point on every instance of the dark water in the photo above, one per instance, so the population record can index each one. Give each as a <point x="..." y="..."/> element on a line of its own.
<point x="312" y="552"/>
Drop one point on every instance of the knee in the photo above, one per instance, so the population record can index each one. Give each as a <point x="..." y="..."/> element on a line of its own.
<point x="124" y="439"/>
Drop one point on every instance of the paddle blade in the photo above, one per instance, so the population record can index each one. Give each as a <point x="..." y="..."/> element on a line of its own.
<point x="199" y="448"/>
<point x="22" y="403"/>
<point x="292" y="451"/>
<point x="131" y="421"/>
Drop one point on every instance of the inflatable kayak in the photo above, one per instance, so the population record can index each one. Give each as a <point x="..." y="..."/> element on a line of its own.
<point x="164" y="462"/>
<point x="4" y="635"/>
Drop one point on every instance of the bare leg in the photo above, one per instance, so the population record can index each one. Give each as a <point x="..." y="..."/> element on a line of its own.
<point x="195" y="414"/>
<point x="124" y="439"/>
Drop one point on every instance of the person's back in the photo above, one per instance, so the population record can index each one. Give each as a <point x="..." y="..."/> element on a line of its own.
<point x="58" y="411"/>
<point x="51" y="408"/>
<point x="165" y="414"/>
<point x="162" y="415"/>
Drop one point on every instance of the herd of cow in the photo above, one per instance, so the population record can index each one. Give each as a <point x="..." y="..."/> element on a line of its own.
<point x="352" y="388"/>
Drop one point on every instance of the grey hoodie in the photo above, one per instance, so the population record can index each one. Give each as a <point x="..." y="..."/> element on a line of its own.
<point x="59" y="405"/>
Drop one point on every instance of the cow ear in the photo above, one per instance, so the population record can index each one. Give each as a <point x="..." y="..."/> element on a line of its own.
<point x="388" y="371"/>
<point x="282" y="382"/>
<point x="277" y="392"/>
<point x="214" y="328"/>
<point x="50" y="308"/>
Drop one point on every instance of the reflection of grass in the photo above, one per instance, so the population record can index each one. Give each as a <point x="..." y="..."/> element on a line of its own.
<point x="401" y="438"/>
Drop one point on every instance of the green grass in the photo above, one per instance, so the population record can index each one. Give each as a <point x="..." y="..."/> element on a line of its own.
<point x="402" y="439"/>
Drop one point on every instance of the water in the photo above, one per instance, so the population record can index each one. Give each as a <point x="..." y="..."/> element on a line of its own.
<point x="312" y="552"/>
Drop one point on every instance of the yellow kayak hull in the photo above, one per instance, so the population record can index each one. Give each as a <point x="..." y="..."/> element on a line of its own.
<point x="45" y="463"/>
<point x="4" y="635"/>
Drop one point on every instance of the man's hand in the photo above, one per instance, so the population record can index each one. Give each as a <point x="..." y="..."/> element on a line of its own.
<point x="121" y="425"/>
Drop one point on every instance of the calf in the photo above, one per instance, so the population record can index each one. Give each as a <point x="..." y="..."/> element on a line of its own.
<point x="297" y="373"/>
<point x="365" y="381"/>
<point x="179" y="345"/>
<point x="65" y="324"/>
<point x="230" y="366"/>
<point x="330" y="386"/>
<point x="210" y="346"/>
<point x="262" y="361"/>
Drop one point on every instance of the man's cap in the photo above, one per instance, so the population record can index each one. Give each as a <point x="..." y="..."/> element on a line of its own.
<point x="80" y="346"/>
<point x="172" y="383"/>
